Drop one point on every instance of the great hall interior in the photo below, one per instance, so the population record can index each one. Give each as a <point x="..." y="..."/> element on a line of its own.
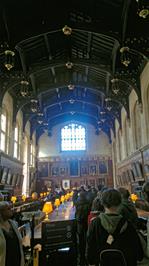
<point x="74" y="96"/>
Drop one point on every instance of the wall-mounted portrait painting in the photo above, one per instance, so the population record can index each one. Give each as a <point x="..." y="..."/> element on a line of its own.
<point x="66" y="184"/>
<point x="93" y="169"/>
<point x="43" y="169"/>
<point x="55" y="171"/>
<point x="103" y="167"/>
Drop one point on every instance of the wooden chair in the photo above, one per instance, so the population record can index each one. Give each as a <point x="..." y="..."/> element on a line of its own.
<point x="112" y="257"/>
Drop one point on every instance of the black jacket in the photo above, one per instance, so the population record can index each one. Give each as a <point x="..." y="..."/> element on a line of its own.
<point x="125" y="238"/>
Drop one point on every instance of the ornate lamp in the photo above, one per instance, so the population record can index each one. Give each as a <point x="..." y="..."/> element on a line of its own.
<point x="115" y="86"/>
<point x="9" y="59"/>
<point x="143" y="8"/>
<point x="69" y="65"/>
<point x="125" y="56"/>
<point x="24" y="88"/>
<point x="34" y="107"/>
<point x="67" y="30"/>
<point x="47" y="208"/>
<point x="71" y="87"/>
<point x="108" y="103"/>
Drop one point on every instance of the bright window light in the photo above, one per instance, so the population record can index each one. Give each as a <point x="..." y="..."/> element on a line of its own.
<point x="73" y="138"/>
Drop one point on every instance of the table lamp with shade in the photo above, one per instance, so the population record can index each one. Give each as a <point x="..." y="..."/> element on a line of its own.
<point x="57" y="203"/>
<point x="62" y="199"/>
<point x="13" y="199"/>
<point x="47" y="208"/>
<point x="23" y="198"/>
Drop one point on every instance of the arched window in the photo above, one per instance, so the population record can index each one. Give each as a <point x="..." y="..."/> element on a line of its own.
<point x="137" y="126"/>
<point x="3" y="143"/>
<point x="17" y="141"/>
<point x="73" y="138"/>
<point x="32" y="155"/>
<point x="4" y="130"/>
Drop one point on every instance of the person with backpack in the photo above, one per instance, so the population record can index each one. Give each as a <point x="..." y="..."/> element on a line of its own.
<point x="111" y="231"/>
<point x="127" y="208"/>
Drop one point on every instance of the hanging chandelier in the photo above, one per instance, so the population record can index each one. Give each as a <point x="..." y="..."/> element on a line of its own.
<point x="34" y="106"/>
<point x="108" y="103"/>
<point x="143" y="8"/>
<point x="9" y="59"/>
<point x="24" y="88"/>
<point x="115" y="85"/>
<point x="67" y="30"/>
<point x="71" y="87"/>
<point x="125" y="56"/>
<point x="69" y="65"/>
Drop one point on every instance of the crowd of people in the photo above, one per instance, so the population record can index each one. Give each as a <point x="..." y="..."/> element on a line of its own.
<point x="106" y="218"/>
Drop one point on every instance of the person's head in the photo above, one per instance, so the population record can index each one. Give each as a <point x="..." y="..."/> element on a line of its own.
<point x="5" y="210"/>
<point x="97" y="206"/>
<point x="124" y="192"/>
<point x="111" y="199"/>
<point x="145" y="190"/>
<point x="82" y="195"/>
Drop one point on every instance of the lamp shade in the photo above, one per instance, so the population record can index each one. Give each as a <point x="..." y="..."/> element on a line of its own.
<point x="133" y="197"/>
<point x="13" y="199"/>
<point x="62" y="198"/>
<point x="34" y="195"/>
<point x="57" y="202"/>
<point x="23" y="197"/>
<point x="47" y="208"/>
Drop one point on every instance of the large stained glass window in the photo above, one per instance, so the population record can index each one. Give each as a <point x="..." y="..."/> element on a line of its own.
<point x="73" y="138"/>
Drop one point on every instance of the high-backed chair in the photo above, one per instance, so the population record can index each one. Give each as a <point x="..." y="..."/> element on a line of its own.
<point x="112" y="257"/>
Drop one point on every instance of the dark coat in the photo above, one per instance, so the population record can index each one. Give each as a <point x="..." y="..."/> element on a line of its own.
<point x="125" y="240"/>
<point x="82" y="211"/>
<point x="128" y="211"/>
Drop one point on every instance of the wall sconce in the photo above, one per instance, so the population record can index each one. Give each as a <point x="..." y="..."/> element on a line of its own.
<point x="9" y="59"/>
<point x="125" y="56"/>
<point x="143" y="8"/>
<point x="24" y="88"/>
<point x="67" y="30"/>
<point x="115" y="86"/>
